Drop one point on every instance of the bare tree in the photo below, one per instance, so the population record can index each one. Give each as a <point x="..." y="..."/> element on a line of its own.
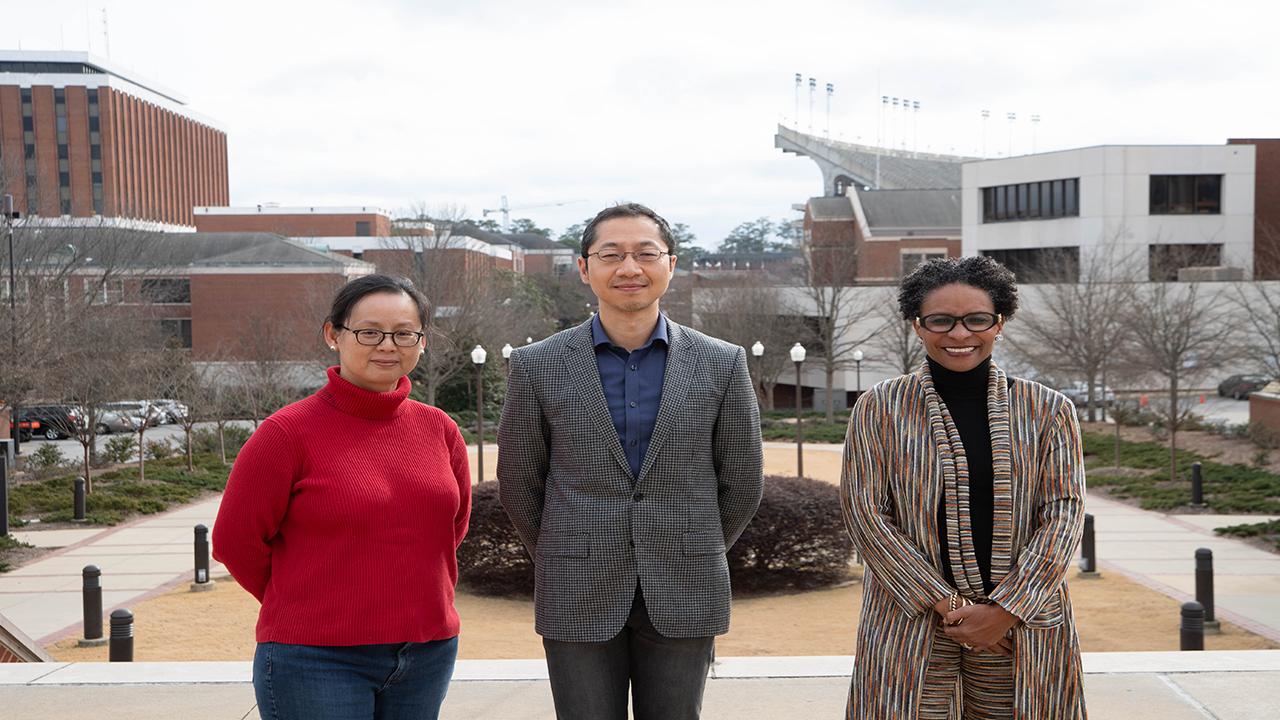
<point x="838" y="310"/>
<point x="1258" y="306"/>
<point x="1075" y="329"/>
<point x="475" y="301"/>
<point x="744" y="313"/>
<point x="1178" y="331"/>
<point x="896" y="346"/>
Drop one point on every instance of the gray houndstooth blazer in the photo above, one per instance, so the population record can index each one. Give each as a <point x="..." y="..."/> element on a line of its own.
<point x="591" y="527"/>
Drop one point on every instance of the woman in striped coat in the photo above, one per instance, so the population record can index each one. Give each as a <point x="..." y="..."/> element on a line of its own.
<point x="963" y="489"/>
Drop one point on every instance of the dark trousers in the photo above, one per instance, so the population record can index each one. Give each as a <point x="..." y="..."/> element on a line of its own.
<point x="589" y="680"/>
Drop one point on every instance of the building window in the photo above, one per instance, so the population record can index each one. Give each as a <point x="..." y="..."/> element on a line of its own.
<point x="1042" y="200"/>
<point x="911" y="260"/>
<point x="1186" y="194"/>
<point x="362" y="228"/>
<point x="179" y="330"/>
<point x="1164" y="261"/>
<point x="165" y="291"/>
<point x="110" y="292"/>
<point x="1040" y="265"/>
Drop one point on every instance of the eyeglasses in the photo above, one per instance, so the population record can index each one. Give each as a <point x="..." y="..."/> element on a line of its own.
<point x="617" y="256"/>
<point x="402" y="338"/>
<point x="974" y="322"/>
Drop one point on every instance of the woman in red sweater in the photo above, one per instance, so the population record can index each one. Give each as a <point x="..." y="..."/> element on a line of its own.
<point x="343" y="515"/>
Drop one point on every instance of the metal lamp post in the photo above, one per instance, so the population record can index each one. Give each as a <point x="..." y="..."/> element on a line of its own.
<point x="506" y="356"/>
<point x="757" y="351"/>
<point x="797" y="357"/>
<point x="477" y="356"/>
<point x="857" y="361"/>
<point x="9" y="217"/>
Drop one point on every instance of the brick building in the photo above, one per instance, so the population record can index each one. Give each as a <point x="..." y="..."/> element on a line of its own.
<point x="1266" y="207"/>
<point x="877" y="236"/>
<point x="82" y="138"/>
<point x="299" y="223"/>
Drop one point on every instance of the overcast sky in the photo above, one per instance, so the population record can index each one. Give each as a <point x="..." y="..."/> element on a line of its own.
<point x="674" y="104"/>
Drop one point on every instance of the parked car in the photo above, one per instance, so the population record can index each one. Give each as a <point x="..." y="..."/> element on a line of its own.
<point x="1078" y="392"/>
<point x="140" y="409"/>
<point x="112" y="422"/>
<point x="1241" y="386"/>
<point x="51" y="422"/>
<point x="173" y="410"/>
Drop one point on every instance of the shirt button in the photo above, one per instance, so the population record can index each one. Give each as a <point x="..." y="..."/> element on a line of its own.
<point x="638" y="497"/>
<point x="633" y="404"/>
<point x="633" y="367"/>
<point x="633" y="442"/>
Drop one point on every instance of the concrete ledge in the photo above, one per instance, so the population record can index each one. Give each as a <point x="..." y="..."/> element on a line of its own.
<point x="206" y="673"/>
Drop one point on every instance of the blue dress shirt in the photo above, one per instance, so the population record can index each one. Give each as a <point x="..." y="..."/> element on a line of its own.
<point x="632" y="384"/>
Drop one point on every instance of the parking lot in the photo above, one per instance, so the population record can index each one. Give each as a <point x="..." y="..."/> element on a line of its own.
<point x="72" y="448"/>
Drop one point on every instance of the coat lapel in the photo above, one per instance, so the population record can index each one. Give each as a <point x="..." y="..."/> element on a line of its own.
<point x="676" y="378"/>
<point x="580" y="361"/>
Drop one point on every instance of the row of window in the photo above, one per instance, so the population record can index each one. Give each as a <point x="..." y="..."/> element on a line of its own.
<point x="1169" y="195"/>
<point x="1062" y="264"/>
<point x="1031" y="201"/>
<point x="63" y="151"/>
<point x="59" y="68"/>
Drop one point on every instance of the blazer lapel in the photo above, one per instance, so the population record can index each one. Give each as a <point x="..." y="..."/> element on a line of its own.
<point x="676" y="378"/>
<point x="580" y="361"/>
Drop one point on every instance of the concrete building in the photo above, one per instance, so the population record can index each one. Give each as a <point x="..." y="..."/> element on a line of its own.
<point x="1155" y="209"/>
<point x="81" y="138"/>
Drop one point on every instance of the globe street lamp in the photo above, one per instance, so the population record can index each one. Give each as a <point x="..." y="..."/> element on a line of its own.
<point x="857" y="361"/>
<point x="757" y="350"/>
<point x="797" y="357"/>
<point x="477" y="356"/>
<point x="506" y="356"/>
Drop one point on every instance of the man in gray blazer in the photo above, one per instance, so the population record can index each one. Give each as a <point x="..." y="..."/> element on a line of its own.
<point x="629" y="460"/>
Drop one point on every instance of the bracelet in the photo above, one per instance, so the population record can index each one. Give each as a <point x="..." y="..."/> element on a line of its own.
<point x="963" y="602"/>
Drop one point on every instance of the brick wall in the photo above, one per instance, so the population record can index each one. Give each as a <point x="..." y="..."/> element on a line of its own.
<point x="318" y="224"/>
<point x="290" y="307"/>
<point x="1266" y="207"/>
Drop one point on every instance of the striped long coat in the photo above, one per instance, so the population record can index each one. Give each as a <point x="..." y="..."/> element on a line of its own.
<point x="902" y="455"/>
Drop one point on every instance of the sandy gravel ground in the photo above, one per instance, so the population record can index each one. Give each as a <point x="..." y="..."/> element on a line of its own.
<point x="1112" y="614"/>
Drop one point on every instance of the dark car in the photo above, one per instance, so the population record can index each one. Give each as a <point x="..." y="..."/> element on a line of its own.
<point x="52" y="422"/>
<point x="1241" y="386"/>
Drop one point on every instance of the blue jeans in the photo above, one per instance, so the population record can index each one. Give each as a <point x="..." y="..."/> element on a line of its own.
<point x="387" y="682"/>
<point x="667" y="676"/>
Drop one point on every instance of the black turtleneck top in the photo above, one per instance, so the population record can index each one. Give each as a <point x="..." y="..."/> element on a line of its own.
<point x="965" y="395"/>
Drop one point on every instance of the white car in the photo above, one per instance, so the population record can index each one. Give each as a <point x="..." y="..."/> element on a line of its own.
<point x="1079" y="393"/>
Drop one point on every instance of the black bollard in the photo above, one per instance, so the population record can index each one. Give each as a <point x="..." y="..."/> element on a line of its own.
<point x="122" y="636"/>
<point x="1088" y="553"/>
<point x="1192" y="626"/>
<point x="202" y="582"/>
<point x="1197" y="485"/>
<point x="78" y="494"/>
<point x="92" y="594"/>
<point x="1204" y="589"/>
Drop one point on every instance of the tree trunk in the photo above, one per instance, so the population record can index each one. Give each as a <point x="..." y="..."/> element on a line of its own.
<point x="831" y="401"/>
<point x="1173" y="429"/>
<point x="191" y="467"/>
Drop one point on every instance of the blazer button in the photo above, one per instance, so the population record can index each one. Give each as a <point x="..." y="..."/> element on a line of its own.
<point x="632" y="543"/>
<point x="638" y="497"/>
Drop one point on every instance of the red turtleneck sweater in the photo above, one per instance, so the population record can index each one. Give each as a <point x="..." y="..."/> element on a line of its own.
<point x="343" y="515"/>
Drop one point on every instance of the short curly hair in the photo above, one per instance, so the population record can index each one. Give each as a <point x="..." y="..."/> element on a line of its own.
<point x="978" y="271"/>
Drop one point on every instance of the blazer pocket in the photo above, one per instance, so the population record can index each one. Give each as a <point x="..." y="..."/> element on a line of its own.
<point x="577" y="545"/>
<point x="703" y="543"/>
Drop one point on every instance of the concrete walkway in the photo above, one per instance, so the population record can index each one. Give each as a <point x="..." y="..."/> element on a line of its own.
<point x="140" y="560"/>
<point x="150" y="556"/>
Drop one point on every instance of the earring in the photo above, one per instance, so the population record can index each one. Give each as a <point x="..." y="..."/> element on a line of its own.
<point x="919" y="340"/>
<point x="999" y="337"/>
<point x="333" y="347"/>
<point x="421" y="351"/>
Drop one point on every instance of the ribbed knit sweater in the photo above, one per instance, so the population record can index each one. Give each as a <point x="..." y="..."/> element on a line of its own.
<point x="343" y="515"/>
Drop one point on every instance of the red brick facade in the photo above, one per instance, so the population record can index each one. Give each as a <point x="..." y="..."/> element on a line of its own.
<point x="288" y="307"/>
<point x="297" y="225"/>
<point x="1266" y="208"/>
<point x="155" y="164"/>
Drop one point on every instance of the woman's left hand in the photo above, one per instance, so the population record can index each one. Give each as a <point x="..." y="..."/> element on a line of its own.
<point x="981" y="626"/>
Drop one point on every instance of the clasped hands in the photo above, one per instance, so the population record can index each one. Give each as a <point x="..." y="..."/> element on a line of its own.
<point x="977" y="626"/>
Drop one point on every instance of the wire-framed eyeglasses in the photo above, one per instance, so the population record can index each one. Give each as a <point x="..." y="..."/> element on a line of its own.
<point x="974" y="322"/>
<point x="401" y="338"/>
<point x="617" y="256"/>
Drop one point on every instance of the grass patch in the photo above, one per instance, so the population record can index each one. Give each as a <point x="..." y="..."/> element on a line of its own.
<point x="9" y="542"/>
<point x="815" y="430"/>
<point x="119" y="493"/>
<point x="1226" y="488"/>
<point x="1269" y="530"/>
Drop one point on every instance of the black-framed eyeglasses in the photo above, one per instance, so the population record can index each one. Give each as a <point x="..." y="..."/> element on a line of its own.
<point x="401" y="338"/>
<point x="974" y="322"/>
<point x="617" y="256"/>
